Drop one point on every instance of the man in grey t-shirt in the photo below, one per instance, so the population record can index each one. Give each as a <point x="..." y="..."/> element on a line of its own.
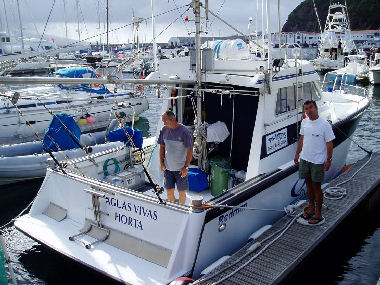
<point x="176" y="150"/>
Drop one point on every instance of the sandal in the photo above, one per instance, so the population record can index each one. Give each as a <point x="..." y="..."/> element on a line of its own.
<point x="314" y="221"/>
<point x="306" y="215"/>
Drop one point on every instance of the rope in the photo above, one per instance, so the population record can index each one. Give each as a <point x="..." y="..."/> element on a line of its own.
<point x="47" y="21"/>
<point x="280" y="232"/>
<point x="97" y="35"/>
<point x="155" y="186"/>
<point x="47" y="148"/>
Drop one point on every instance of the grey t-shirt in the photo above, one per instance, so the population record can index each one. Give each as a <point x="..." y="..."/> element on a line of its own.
<point x="176" y="142"/>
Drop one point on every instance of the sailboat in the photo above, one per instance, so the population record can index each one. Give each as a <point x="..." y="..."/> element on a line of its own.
<point x="122" y="227"/>
<point x="35" y="105"/>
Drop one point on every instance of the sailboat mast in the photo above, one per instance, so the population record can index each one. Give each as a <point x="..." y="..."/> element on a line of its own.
<point x="108" y="23"/>
<point x="77" y="3"/>
<point x="154" y="38"/>
<point x="6" y="20"/>
<point x="21" y="32"/>
<point x="65" y="16"/>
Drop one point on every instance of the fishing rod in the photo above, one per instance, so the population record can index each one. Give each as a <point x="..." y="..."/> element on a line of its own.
<point x="14" y="100"/>
<point x="156" y="188"/>
<point x="68" y="131"/>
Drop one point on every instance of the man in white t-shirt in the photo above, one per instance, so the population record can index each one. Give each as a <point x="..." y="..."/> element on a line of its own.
<point x="315" y="148"/>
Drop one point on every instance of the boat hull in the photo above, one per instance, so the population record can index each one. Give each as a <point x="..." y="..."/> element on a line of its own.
<point x="374" y="76"/>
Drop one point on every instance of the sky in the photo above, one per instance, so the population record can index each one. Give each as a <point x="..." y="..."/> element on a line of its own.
<point x="170" y="19"/>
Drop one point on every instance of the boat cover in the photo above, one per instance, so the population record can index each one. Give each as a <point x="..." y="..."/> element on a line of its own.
<point x="81" y="72"/>
<point x="120" y="135"/>
<point x="57" y="135"/>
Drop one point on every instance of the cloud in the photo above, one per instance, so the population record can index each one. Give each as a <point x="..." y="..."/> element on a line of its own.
<point x="92" y="17"/>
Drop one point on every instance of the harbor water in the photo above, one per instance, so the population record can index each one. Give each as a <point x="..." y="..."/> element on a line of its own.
<point x="349" y="256"/>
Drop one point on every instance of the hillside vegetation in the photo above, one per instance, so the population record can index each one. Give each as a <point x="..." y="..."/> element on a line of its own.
<point x="363" y="15"/>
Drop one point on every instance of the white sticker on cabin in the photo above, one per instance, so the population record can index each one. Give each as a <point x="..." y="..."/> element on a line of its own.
<point x="277" y="140"/>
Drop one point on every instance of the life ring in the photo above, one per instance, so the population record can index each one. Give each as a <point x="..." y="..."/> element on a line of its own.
<point x="98" y="76"/>
<point x="105" y="166"/>
<point x="139" y="88"/>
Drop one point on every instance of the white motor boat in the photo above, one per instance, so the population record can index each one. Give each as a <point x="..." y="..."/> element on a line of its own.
<point x="35" y="105"/>
<point x="374" y="70"/>
<point x="122" y="227"/>
<point x="336" y="40"/>
<point x="356" y="71"/>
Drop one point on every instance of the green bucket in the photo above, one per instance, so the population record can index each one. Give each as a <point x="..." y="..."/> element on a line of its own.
<point x="220" y="168"/>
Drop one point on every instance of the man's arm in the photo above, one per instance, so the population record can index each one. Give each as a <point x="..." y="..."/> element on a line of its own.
<point x="162" y="157"/>
<point x="330" y="147"/>
<point x="298" y="151"/>
<point x="189" y="155"/>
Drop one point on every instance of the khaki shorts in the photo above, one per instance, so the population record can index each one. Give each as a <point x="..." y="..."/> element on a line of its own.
<point x="311" y="170"/>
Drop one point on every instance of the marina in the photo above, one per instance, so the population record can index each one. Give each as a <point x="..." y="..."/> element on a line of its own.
<point x="96" y="182"/>
<point x="272" y="256"/>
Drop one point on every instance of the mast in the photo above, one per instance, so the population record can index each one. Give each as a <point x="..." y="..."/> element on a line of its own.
<point x="64" y="14"/>
<point x="21" y="33"/>
<point x="108" y="24"/>
<point x="279" y="27"/>
<point x="154" y="39"/>
<point x="196" y="9"/>
<point x="77" y="3"/>
<point x="100" y="35"/>
<point x="6" y="20"/>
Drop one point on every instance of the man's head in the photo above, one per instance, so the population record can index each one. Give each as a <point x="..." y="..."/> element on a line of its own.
<point x="311" y="109"/>
<point x="169" y="119"/>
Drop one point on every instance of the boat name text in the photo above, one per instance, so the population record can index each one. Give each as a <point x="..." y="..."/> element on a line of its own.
<point x="131" y="208"/>
<point x="277" y="140"/>
<point x="225" y="217"/>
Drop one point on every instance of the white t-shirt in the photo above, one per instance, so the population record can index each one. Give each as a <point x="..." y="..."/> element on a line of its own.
<point x="315" y="134"/>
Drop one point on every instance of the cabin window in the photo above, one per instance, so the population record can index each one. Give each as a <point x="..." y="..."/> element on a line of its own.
<point x="286" y="100"/>
<point x="3" y="40"/>
<point x="8" y="39"/>
<point x="287" y="97"/>
<point x="310" y="92"/>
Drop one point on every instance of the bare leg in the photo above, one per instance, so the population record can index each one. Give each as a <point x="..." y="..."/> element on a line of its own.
<point x="171" y="194"/>
<point x="310" y="195"/>
<point x="318" y="197"/>
<point x="182" y="196"/>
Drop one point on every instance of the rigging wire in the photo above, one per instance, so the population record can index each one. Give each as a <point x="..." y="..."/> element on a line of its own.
<point x="187" y="29"/>
<point x="97" y="35"/>
<point x="47" y="21"/>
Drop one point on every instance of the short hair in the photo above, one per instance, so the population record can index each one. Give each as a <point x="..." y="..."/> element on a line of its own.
<point x="170" y="114"/>
<point x="311" y="102"/>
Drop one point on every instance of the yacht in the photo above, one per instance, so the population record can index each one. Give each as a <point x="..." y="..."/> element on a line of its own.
<point x="336" y="40"/>
<point x="374" y="70"/>
<point x="107" y="210"/>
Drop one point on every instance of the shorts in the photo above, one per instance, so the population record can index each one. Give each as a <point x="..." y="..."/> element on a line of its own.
<point x="311" y="170"/>
<point x="173" y="178"/>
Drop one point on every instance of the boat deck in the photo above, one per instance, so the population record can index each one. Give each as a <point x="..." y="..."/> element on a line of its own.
<point x="279" y="255"/>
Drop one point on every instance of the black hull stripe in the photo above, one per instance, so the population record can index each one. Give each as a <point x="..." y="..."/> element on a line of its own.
<point x="347" y="125"/>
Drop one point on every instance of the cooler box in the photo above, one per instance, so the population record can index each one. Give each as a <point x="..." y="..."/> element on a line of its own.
<point x="197" y="180"/>
<point x="132" y="178"/>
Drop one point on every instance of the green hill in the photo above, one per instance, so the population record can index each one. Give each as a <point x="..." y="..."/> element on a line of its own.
<point x="363" y="15"/>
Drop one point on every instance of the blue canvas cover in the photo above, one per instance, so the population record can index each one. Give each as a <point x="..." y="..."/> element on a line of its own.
<point x="60" y="135"/>
<point x="81" y="72"/>
<point x="119" y="135"/>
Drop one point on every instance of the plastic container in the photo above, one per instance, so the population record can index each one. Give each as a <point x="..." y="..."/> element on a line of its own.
<point x="220" y="168"/>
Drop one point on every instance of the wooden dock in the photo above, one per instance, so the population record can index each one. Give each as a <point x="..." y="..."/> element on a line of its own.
<point x="279" y="251"/>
